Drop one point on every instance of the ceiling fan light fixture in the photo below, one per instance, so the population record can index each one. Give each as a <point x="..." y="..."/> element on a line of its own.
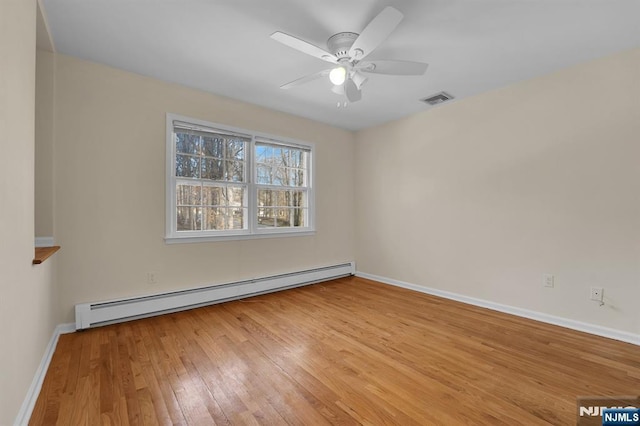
<point x="338" y="75"/>
<point x="359" y="79"/>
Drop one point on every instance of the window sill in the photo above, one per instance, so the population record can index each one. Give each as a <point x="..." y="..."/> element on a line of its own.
<point x="209" y="238"/>
<point x="43" y="253"/>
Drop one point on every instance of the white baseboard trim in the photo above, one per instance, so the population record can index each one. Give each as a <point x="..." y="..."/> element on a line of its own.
<point x="44" y="242"/>
<point x="36" y="384"/>
<point x="597" y="330"/>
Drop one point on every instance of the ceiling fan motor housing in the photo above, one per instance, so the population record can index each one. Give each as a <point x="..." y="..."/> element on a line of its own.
<point x="339" y="44"/>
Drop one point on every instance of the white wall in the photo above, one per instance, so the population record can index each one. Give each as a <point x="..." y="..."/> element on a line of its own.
<point x="483" y="196"/>
<point x="26" y="300"/>
<point x="109" y="171"/>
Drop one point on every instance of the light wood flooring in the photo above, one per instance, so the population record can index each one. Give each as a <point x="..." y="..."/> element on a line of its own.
<point x="349" y="351"/>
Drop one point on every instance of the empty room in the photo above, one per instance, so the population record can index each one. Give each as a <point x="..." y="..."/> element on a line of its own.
<point x="293" y="212"/>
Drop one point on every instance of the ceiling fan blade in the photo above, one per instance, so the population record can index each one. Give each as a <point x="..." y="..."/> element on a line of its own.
<point x="303" y="46"/>
<point x="351" y="90"/>
<point x="305" y="79"/>
<point x="393" y="67"/>
<point x="376" y="32"/>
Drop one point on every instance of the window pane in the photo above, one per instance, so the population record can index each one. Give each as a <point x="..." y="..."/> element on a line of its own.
<point x="187" y="144"/>
<point x="235" y="150"/>
<point x="212" y="196"/>
<point x="188" y="195"/>
<point x="298" y="199"/>
<point x="214" y="218"/>
<point x="213" y="147"/>
<point x="283" y="198"/>
<point x="296" y="158"/>
<point x="273" y="198"/>
<point x="237" y="219"/>
<point x="289" y="217"/>
<point x="189" y="218"/>
<point x="277" y="158"/>
<point x="266" y="217"/>
<point x="264" y="175"/>
<point x="235" y="196"/>
<point x="286" y="157"/>
<point x="235" y="171"/>
<point x="297" y="177"/>
<point x="212" y="169"/>
<point x="224" y="219"/>
<point x="280" y="176"/>
<point x="187" y="166"/>
<point x="266" y="198"/>
<point x="283" y="218"/>
<point x="263" y="153"/>
<point x="298" y="217"/>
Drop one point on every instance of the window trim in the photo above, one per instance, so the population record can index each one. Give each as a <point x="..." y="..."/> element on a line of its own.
<point x="172" y="236"/>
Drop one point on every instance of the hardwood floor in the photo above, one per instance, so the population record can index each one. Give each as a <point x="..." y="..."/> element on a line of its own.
<point x="350" y="351"/>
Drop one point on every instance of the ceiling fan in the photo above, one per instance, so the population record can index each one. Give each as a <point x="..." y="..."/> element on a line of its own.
<point x="346" y="51"/>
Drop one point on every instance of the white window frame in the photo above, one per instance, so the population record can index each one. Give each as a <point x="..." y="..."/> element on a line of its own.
<point x="172" y="235"/>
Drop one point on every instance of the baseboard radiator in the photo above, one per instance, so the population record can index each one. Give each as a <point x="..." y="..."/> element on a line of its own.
<point x="104" y="313"/>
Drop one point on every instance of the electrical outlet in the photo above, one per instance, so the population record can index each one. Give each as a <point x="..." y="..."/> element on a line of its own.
<point x="547" y="280"/>
<point x="152" y="278"/>
<point x="597" y="293"/>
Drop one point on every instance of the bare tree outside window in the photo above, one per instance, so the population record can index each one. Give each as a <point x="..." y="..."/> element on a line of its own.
<point x="282" y="185"/>
<point x="226" y="182"/>
<point x="211" y="194"/>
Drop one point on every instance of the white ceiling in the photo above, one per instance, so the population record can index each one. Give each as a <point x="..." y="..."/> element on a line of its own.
<point x="223" y="46"/>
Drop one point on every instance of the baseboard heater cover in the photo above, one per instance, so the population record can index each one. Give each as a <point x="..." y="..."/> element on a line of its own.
<point x="104" y="313"/>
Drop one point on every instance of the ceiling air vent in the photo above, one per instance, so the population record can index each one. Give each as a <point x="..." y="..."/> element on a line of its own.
<point x="438" y="98"/>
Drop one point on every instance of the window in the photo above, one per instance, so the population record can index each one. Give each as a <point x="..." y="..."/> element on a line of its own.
<point x="225" y="183"/>
<point x="281" y="181"/>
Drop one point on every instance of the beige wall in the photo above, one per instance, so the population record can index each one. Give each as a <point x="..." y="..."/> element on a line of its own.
<point x="26" y="302"/>
<point x="110" y="189"/>
<point x="44" y="144"/>
<point x="483" y="196"/>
